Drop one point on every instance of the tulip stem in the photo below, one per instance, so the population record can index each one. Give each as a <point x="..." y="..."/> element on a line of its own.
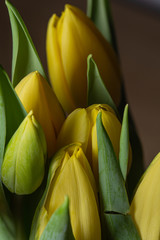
<point x="17" y="211"/>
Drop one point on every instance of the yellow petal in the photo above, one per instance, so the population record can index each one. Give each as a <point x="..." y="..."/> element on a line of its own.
<point x="41" y="219"/>
<point x="70" y="175"/>
<point x="55" y="66"/>
<point x="94" y="158"/>
<point x="111" y="125"/>
<point x="74" y="59"/>
<point x="35" y="94"/>
<point x="72" y="180"/>
<point x="77" y="38"/>
<point x="113" y="129"/>
<point x="54" y="108"/>
<point x="85" y="164"/>
<point x="145" y="207"/>
<point x="76" y="128"/>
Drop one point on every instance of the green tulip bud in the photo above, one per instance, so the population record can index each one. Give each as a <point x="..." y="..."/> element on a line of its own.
<point x="24" y="159"/>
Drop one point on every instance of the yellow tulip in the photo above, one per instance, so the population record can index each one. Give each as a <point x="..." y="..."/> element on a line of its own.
<point x="70" y="175"/>
<point x="80" y="126"/>
<point x="70" y="39"/>
<point x="35" y="94"/>
<point x="23" y="165"/>
<point x="145" y="207"/>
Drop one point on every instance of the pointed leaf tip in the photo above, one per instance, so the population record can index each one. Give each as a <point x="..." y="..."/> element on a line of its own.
<point x="113" y="194"/>
<point x="96" y="86"/>
<point x="100" y="14"/>
<point x="59" y="226"/>
<point x="124" y="144"/>
<point x="25" y="58"/>
<point x="113" y="197"/>
<point x="12" y="112"/>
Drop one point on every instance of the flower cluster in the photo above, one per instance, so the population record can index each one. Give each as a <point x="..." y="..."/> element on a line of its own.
<point x="66" y="145"/>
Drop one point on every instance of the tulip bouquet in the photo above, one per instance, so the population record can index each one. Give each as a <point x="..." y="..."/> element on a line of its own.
<point x="70" y="157"/>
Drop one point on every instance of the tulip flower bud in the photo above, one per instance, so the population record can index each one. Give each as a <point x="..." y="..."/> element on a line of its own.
<point x="36" y="95"/>
<point x="70" y="39"/>
<point x="145" y="206"/>
<point x="80" y="126"/>
<point x="70" y="175"/>
<point x="24" y="160"/>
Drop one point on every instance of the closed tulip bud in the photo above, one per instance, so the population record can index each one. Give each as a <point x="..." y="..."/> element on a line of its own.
<point x="35" y="94"/>
<point x="145" y="206"/>
<point x="70" y="39"/>
<point x="70" y="175"/>
<point x="24" y="160"/>
<point x="80" y="126"/>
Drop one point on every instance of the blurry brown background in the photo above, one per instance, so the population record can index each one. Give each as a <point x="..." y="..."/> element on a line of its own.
<point x="138" y="36"/>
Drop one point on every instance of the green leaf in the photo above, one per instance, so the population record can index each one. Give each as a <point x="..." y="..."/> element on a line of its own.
<point x="100" y="13"/>
<point x="113" y="194"/>
<point x="7" y="226"/>
<point x="12" y="111"/>
<point x="116" y="221"/>
<point x="124" y="144"/>
<point x="59" y="227"/>
<point x="2" y="122"/>
<point x="97" y="91"/>
<point x="25" y="58"/>
<point x="120" y="227"/>
<point x="5" y="232"/>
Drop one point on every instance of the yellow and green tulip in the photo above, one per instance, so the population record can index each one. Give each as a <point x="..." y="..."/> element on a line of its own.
<point x="80" y="126"/>
<point x="70" y="39"/>
<point x="70" y="175"/>
<point x="24" y="159"/>
<point x="35" y="94"/>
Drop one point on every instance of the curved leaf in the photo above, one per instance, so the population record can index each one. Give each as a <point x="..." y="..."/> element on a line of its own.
<point x="97" y="91"/>
<point x="7" y="227"/>
<point x="100" y="13"/>
<point x="116" y="220"/>
<point x="25" y="58"/>
<point x="59" y="227"/>
<point x="2" y="123"/>
<point x="5" y="232"/>
<point x="112" y="186"/>
<point x="12" y="111"/>
<point x="124" y="144"/>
